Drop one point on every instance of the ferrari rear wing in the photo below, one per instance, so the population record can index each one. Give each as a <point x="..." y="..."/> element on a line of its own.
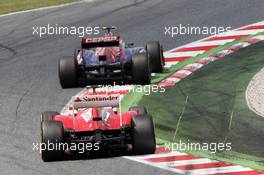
<point x="100" y="100"/>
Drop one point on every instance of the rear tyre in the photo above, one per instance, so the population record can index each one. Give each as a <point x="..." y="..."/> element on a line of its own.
<point x="155" y="53"/>
<point x="139" y="109"/>
<point x="52" y="134"/>
<point x="47" y="115"/>
<point x="68" y="72"/>
<point x="141" y="72"/>
<point x="143" y="134"/>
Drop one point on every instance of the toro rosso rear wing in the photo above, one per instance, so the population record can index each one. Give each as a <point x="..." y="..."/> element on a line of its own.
<point x="105" y="41"/>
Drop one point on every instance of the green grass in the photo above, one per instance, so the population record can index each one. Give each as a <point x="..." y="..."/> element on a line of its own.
<point x="214" y="93"/>
<point x="7" y="6"/>
<point x="133" y="98"/>
<point x="180" y="65"/>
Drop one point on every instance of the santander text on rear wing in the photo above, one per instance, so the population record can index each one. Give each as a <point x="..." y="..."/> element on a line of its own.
<point x="101" y="100"/>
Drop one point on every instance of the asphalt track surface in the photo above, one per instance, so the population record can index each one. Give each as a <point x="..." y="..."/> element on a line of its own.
<point x="28" y="68"/>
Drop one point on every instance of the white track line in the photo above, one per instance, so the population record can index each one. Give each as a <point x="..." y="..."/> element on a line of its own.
<point x="158" y="166"/>
<point x="183" y="54"/>
<point x="210" y="43"/>
<point x="261" y="37"/>
<point x="169" y="64"/>
<point x="186" y="72"/>
<point x="255" y="24"/>
<point x="197" y="65"/>
<point x="160" y="155"/>
<point x="176" y="80"/>
<point x="187" y="162"/>
<point x="242" y="32"/>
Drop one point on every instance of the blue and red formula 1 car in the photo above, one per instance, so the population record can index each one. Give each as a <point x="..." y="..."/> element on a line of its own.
<point x="107" y="59"/>
<point x="94" y="119"/>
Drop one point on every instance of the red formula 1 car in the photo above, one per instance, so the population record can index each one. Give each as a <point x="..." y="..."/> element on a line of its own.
<point x="95" y="124"/>
<point x="108" y="59"/>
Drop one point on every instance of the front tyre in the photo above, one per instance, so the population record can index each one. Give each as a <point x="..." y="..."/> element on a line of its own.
<point x="155" y="52"/>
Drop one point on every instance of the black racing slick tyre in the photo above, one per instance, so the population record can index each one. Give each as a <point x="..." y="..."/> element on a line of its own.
<point x="68" y="72"/>
<point x="143" y="134"/>
<point x="139" y="109"/>
<point x="52" y="134"/>
<point x="141" y="71"/>
<point x="155" y="53"/>
<point x="47" y="115"/>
